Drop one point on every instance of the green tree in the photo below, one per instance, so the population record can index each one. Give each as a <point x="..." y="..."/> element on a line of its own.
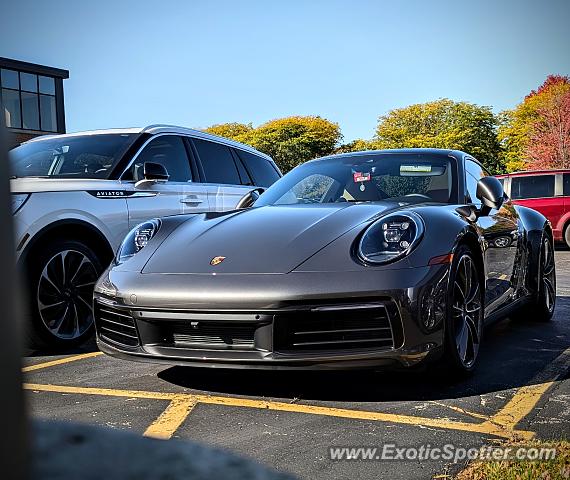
<point x="229" y="130"/>
<point x="290" y="141"/>
<point x="536" y="134"/>
<point x="443" y="124"/>
<point x="357" y="145"/>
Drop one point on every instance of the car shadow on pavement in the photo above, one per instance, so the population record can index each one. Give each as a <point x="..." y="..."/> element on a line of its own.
<point x="87" y="347"/>
<point x="514" y="351"/>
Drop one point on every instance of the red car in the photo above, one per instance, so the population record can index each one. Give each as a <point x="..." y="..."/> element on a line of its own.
<point x="547" y="191"/>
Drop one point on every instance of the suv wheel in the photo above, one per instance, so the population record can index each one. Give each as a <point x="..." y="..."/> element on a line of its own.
<point x="567" y="235"/>
<point x="61" y="278"/>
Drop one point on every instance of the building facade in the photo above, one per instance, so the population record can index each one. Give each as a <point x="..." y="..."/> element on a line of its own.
<point x="32" y="99"/>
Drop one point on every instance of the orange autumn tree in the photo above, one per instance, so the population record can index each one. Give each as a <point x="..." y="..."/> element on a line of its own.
<point x="536" y="134"/>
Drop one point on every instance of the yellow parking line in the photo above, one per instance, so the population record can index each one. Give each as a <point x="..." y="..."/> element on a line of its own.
<point x="53" y="363"/>
<point x="462" y="410"/>
<point x="170" y="420"/>
<point x="502" y="424"/>
<point x="487" y="428"/>
<point x="526" y="398"/>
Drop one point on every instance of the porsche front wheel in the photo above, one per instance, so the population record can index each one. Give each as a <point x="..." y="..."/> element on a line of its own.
<point x="464" y="319"/>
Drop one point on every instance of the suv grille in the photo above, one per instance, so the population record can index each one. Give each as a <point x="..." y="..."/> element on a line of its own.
<point x="115" y="325"/>
<point x="333" y="328"/>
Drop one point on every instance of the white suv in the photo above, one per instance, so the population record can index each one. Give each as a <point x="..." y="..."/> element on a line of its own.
<point x="76" y="196"/>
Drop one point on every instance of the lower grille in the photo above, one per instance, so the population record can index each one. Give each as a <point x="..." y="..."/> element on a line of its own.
<point x="213" y="335"/>
<point x="115" y="325"/>
<point x="333" y="328"/>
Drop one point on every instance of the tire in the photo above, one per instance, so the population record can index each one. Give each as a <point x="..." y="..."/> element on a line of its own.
<point x="464" y="319"/>
<point x="60" y="278"/>
<point x="567" y="235"/>
<point x="543" y="301"/>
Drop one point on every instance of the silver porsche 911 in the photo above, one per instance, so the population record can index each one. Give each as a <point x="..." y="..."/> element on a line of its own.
<point x="370" y="259"/>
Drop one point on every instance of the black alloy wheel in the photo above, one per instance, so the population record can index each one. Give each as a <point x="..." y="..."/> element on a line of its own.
<point x="464" y="322"/>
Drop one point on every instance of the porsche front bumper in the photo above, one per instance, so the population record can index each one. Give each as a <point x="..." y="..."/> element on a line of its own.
<point x="311" y="320"/>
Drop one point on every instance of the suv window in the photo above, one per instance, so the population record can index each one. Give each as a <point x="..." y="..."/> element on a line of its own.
<point x="532" y="186"/>
<point x="169" y="151"/>
<point x="567" y="184"/>
<point x="264" y="175"/>
<point x="218" y="162"/>
<point x="473" y="173"/>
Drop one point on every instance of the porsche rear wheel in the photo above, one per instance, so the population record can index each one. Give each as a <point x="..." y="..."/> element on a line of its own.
<point x="464" y="320"/>
<point x="544" y="300"/>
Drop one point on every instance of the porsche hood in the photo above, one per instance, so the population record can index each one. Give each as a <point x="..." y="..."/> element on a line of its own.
<point x="271" y="239"/>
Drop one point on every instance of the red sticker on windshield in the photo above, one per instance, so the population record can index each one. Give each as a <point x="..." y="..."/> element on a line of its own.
<point x="361" y="177"/>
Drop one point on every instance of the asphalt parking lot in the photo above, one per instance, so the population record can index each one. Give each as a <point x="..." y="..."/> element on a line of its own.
<point x="290" y="420"/>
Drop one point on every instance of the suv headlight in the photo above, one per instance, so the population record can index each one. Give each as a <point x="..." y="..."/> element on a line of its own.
<point x="136" y="240"/>
<point x="18" y="200"/>
<point x="390" y="238"/>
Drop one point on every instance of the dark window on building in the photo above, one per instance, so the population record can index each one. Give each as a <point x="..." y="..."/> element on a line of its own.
<point x="218" y="163"/>
<point x="47" y="85"/>
<point x="11" y="107"/>
<point x="48" y="115"/>
<point x="28" y="82"/>
<point x="567" y="184"/>
<point x="10" y="79"/>
<point x="30" y="111"/>
<point x="22" y="106"/>
<point x="532" y="186"/>
<point x="264" y="175"/>
<point x="167" y="150"/>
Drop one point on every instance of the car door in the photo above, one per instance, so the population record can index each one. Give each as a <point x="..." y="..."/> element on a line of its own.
<point x="500" y="231"/>
<point x="226" y="181"/>
<point x="180" y="194"/>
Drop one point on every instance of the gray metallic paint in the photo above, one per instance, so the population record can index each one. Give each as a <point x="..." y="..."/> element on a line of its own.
<point x="282" y="256"/>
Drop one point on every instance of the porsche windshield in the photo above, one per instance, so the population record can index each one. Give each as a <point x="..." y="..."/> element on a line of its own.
<point x="410" y="178"/>
<point x="81" y="156"/>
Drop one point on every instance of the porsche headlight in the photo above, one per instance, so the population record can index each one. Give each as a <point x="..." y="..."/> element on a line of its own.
<point x="136" y="240"/>
<point x="391" y="238"/>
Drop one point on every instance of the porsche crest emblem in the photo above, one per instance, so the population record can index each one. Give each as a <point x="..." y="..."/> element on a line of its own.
<point x="217" y="260"/>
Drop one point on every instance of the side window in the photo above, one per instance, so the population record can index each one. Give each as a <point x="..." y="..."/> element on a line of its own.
<point x="218" y="163"/>
<point x="168" y="150"/>
<point x="473" y="173"/>
<point x="532" y="186"/>
<point x="567" y="184"/>
<point x="264" y="175"/>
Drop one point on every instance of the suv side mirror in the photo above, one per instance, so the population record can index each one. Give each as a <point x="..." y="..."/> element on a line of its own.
<point x="490" y="192"/>
<point x="155" y="172"/>
<point x="249" y="198"/>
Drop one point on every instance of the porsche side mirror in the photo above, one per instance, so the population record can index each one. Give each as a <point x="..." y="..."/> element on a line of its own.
<point x="490" y="192"/>
<point x="155" y="172"/>
<point x="249" y="198"/>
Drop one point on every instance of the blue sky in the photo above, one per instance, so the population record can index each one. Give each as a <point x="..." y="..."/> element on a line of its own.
<point x="195" y="63"/>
